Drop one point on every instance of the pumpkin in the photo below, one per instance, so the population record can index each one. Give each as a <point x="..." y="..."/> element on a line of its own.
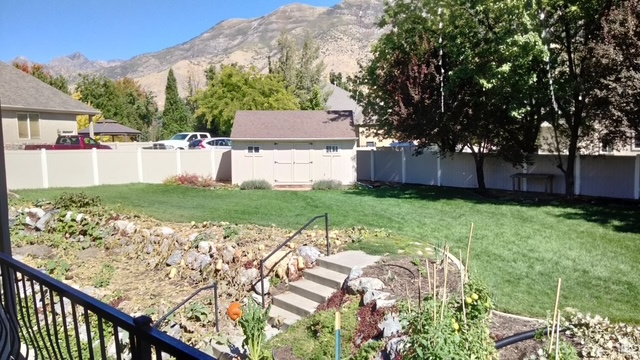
<point x="234" y="311"/>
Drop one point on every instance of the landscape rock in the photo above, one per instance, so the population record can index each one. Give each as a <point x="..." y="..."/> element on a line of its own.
<point x="396" y="347"/>
<point x="89" y="253"/>
<point x="381" y="303"/>
<point x="373" y="295"/>
<point x="43" y="221"/>
<point x="362" y="285"/>
<point x="190" y="258"/>
<point x="227" y="254"/>
<point x="120" y="225"/>
<point x="264" y="284"/>
<point x="164" y="231"/>
<point x="248" y="276"/>
<point x="175" y="258"/>
<point x="149" y="249"/>
<point x="67" y="217"/>
<point x="355" y="273"/>
<point x="390" y="325"/>
<point x="204" y="247"/>
<point x="130" y="229"/>
<point x="202" y="261"/>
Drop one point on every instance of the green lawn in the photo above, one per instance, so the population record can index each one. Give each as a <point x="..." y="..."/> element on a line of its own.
<point x="520" y="249"/>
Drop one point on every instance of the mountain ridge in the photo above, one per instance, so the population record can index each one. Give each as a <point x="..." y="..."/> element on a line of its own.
<point x="344" y="33"/>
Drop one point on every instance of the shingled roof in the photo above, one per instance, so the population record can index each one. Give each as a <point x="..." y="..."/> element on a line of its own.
<point x="20" y="91"/>
<point x="293" y="125"/>
<point x="110" y="127"/>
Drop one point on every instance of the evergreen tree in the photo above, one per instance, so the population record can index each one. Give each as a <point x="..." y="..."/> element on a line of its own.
<point x="176" y="116"/>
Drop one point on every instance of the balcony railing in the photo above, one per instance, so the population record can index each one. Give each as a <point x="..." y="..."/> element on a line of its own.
<point x="43" y="318"/>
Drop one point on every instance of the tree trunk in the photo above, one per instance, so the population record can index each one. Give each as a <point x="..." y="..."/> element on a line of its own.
<point x="479" y="160"/>
<point x="569" y="174"/>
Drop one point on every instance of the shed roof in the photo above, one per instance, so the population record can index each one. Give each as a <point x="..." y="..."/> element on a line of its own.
<point x="293" y="125"/>
<point x="110" y="127"/>
<point x="20" y="91"/>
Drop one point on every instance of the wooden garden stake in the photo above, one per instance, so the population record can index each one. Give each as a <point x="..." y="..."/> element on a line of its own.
<point x="555" y="316"/>
<point x="466" y="263"/>
<point x="426" y="262"/>
<point x="419" y="291"/>
<point x="435" y="294"/>
<point x="558" y="337"/>
<point x="464" y="306"/>
<point x="406" y="287"/>
<point x="444" y="290"/>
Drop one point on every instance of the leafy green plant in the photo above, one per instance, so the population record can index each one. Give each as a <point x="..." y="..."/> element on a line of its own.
<point x="190" y="180"/>
<point x="78" y="200"/>
<point x="57" y="268"/>
<point x="446" y="334"/>
<point x="368" y="351"/>
<point x="198" y="311"/>
<point x="253" y="322"/>
<point x="230" y="231"/>
<point x="255" y="185"/>
<point x="566" y="351"/>
<point x="327" y="185"/>
<point x="104" y="276"/>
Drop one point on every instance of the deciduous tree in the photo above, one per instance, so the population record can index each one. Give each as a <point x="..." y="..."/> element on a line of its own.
<point x="37" y="70"/>
<point x="234" y="88"/>
<point x="460" y="75"/>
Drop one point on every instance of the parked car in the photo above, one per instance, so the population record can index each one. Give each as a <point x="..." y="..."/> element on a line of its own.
<point x="69" y="142"/>
<point x="180" y="141"/>
<point x="216" y="143"/>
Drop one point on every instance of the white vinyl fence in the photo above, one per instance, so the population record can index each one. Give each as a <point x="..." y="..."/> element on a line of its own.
<point x="605" y="176"/>
<point x="34" y="169"/>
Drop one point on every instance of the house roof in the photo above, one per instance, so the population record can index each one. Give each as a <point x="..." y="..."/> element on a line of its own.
<point x="110" y="127"/>
<point x="293" y="125"/>
<point x="340" y="99"/>
<point x="20" y="91"/>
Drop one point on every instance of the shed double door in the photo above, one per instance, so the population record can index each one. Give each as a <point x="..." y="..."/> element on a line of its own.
<point x="292" y="162"/>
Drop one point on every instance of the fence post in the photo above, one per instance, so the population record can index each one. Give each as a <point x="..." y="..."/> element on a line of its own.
<point x="326" y="229"/>
<point x="178" y="163"/>
<point x="94" y="162"/>
<point x="214" y="173"/>
<point x="45" y="168"/>
<point x="140" y="172"/>
<point x="142" y="349"/>
<point x="373" y="164"/>
<point x="439" y="169"/>
<point x="576" y="175"/>
<point x="525" y="169"/>
<point x="404" y="166"/>
<point x="636" y="179"/>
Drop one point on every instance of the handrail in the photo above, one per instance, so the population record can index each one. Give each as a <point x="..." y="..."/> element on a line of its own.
<point x="215" y="295"/>
<point x="264" y="259"/>
<point x="142" y="335"/>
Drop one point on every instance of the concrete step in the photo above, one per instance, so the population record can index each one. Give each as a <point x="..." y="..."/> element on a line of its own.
<point x="295" y="303"/>
<point x="311" y="290"/>
<point x="326" y="277"/>
<point x="284" y="317"/>
<point x="343" y="262"/>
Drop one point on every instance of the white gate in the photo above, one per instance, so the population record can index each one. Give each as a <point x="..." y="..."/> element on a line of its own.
<point x="292" y="163"/>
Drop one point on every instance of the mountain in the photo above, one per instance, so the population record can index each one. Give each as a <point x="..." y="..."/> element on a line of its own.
<point x="344" y="32"/>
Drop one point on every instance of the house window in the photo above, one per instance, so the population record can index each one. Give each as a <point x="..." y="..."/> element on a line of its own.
<point x="606" y="147"/>
<point x="29" y="126"/>
<point x="371" y="144"/>
<point x="253" y="149"/>
<point x="332" y="149"/>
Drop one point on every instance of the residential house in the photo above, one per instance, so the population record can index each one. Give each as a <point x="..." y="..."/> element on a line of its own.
<point x="35" y="112"/>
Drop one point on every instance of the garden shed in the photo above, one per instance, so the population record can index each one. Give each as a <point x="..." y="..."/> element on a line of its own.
<point x="293" y="147"/>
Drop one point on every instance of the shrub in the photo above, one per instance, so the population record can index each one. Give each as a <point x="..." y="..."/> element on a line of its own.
<point x="78" y="200"/>
<point x="327" y="185"/>
<point x="190" y="180"/>
<point x="255" y="185"/>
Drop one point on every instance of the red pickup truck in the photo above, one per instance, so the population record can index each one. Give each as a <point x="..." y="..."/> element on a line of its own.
<point x="69" y="142"/>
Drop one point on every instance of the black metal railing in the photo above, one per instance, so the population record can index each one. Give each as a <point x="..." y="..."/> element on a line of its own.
<point x="52" y="320"/>
<point x="213" y="286"/>
<point x="264" y="259"/>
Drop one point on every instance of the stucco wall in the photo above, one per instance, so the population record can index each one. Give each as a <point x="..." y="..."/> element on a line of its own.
<point x="287" y="162"/>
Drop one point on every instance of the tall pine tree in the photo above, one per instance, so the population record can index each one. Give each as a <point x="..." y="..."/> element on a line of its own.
<point x="176" y="116"/>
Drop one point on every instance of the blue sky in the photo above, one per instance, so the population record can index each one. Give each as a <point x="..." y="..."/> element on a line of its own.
<point x="42" y="30"/>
